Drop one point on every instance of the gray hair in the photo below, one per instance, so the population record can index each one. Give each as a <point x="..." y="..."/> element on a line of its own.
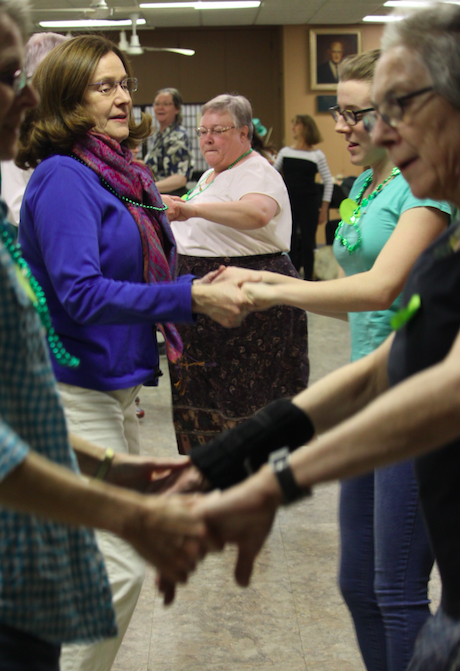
<point x="19" y="12"/>
<point x="434" y="34"/>
<point x="237" y="106"/>
<point x="177" y="100"/>
<point x="39" y="46"/>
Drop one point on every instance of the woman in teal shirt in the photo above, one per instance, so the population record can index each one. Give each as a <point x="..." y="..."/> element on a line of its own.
<point x="385" y="556"/>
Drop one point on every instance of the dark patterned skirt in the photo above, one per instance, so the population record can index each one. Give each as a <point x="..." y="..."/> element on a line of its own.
<point x="226" y="375"/>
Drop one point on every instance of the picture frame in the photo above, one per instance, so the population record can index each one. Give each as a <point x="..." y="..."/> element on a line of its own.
<point x="327" y="50"/>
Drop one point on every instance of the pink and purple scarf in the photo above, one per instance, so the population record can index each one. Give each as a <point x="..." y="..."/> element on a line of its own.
<point x="114" y="163"/>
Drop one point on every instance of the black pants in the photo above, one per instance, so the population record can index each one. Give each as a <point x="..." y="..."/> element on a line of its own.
<point x="20" y="651"/>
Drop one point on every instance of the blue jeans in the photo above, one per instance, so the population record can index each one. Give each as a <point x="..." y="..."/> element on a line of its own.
<point x="20" y="651"/>
<point x="385" y="564"/>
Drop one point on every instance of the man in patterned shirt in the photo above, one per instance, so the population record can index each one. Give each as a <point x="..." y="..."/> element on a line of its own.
<point x="171" y="159"/>
<point x="53" y="584"/>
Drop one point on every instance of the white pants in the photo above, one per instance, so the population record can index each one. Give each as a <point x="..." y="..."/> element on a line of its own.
<point x="107" y="419"/>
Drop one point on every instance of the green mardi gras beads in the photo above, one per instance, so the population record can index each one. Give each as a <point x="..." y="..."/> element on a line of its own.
<point x="352" y="219"/>
<point x="37" y="297"/>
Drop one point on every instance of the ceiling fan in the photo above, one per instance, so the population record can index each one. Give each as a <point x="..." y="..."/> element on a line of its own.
<point x="97" y="9"/>
<point x="134" y="48"/>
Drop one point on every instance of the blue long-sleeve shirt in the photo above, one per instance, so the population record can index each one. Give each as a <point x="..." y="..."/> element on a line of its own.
<point x="84" y="248"/>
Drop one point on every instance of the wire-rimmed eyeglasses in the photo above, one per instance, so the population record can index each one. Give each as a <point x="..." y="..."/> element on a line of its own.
<point x="217" y="130"/>
<point x="351" y="117"/>
<point x="393" y="108"/>
<point x="128" y="85"/>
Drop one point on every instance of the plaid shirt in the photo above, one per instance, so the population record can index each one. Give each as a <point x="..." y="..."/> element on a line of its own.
<point x="52" y="578"/>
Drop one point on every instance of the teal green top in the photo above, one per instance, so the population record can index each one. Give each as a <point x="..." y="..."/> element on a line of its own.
<point x="377" y="222"/>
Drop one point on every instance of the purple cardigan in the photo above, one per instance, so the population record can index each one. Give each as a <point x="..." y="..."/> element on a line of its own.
<point x="84" y="248"/>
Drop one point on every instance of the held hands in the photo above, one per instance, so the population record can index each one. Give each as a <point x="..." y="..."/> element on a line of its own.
<point x="173" y="210"/>
<point x="260" y="296"/>
<point x="223" y="301"/>
<point x="181" y="210"/>
<point x="236" y="275"/>
<point x="242" y="515"/>
<point x="168" y="533"/>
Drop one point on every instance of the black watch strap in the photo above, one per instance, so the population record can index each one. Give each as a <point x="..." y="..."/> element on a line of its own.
<point x="279" y="461"/>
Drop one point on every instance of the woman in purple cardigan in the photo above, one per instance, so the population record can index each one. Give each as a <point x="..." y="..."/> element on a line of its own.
<point x="94" y="232"/>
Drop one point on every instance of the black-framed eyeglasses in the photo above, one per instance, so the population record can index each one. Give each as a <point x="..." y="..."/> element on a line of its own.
<point x="351" y="117"/>
<point x="217" y="130"/>
<point x="128" y="85"/>
<point x="393" y="108"/>
<point x="17" y="80"/>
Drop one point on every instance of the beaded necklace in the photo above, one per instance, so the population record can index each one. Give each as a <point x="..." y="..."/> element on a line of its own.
<point x="353" y="218"/>
<point x="189" y="195"/>
<point x="37" y="296"/>
<point x="123" y="198"/>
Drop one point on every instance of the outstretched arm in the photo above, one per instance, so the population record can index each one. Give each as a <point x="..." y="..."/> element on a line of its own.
<point x="163" y="530"/>
<point x="252" y="211"/>
<point x="416" y="416"/>
<point x="375" y="289"/>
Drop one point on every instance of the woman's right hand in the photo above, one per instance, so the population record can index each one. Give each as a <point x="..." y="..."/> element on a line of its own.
<point x="260" y="296"/>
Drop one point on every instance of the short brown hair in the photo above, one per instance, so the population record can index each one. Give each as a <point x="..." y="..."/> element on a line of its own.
<point x="60" y="118"/>
<point x="359" y="67"/>
<point x="311" y="133"/>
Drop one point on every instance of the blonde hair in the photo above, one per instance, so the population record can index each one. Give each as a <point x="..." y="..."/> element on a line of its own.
<point x="360" y="67"/>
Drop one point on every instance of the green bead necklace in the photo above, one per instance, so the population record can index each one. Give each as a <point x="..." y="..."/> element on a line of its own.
<point x="189" y="195"/>
<point x="37" y="296"/>
<point x="353" y="218"/>
<point x="123" y="198"/>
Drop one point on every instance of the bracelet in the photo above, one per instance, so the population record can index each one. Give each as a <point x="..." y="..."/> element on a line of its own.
<point x="279" y="461"/>
<point x="105" y="465"/>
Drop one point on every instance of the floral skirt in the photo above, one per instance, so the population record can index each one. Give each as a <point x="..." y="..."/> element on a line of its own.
<point x="226" y="375"/>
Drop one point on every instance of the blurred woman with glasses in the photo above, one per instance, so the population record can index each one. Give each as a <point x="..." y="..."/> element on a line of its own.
<point x="238" y="214"/>
<point x="385" y="555"/>
<point x="94" y="232"/>
<point x="171" y="158"/>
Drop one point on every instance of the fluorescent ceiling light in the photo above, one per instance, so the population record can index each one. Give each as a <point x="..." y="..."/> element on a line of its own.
<point x="90" y="23"/>
<point x="417" y="3"/>
<point x="225" y="4"/>
<point x="383" y="19"/>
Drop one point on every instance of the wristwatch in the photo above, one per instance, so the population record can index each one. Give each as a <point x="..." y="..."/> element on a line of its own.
<point x="279" y="461"/>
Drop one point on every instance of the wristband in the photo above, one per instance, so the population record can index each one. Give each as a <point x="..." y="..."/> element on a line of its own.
<point x="279" y="461"/>
<point x="104" y="466"/>
<point x="234" y="455"/>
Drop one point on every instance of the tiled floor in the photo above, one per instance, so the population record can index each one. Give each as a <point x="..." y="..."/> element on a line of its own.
<point x="292" y="617"/>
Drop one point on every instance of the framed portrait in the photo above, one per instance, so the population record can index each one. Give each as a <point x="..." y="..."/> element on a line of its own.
<point x="328" y="48"/>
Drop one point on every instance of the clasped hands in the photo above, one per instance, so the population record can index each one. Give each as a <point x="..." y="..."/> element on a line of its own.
<point x="257" y="294"/>
<point x="175" y="532"/>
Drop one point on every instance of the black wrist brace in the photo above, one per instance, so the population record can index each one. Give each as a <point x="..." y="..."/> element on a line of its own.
<point x="235" y="454"/>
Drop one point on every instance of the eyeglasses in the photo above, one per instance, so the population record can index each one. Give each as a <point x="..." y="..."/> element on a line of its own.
<point x="393" y="108"/>
<point x="17" y="80"/>
<point x="162" y="104"/>
<point x="128" y="85"/>
<point x="217" y="130"/>
<point x="351" y="117"/>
